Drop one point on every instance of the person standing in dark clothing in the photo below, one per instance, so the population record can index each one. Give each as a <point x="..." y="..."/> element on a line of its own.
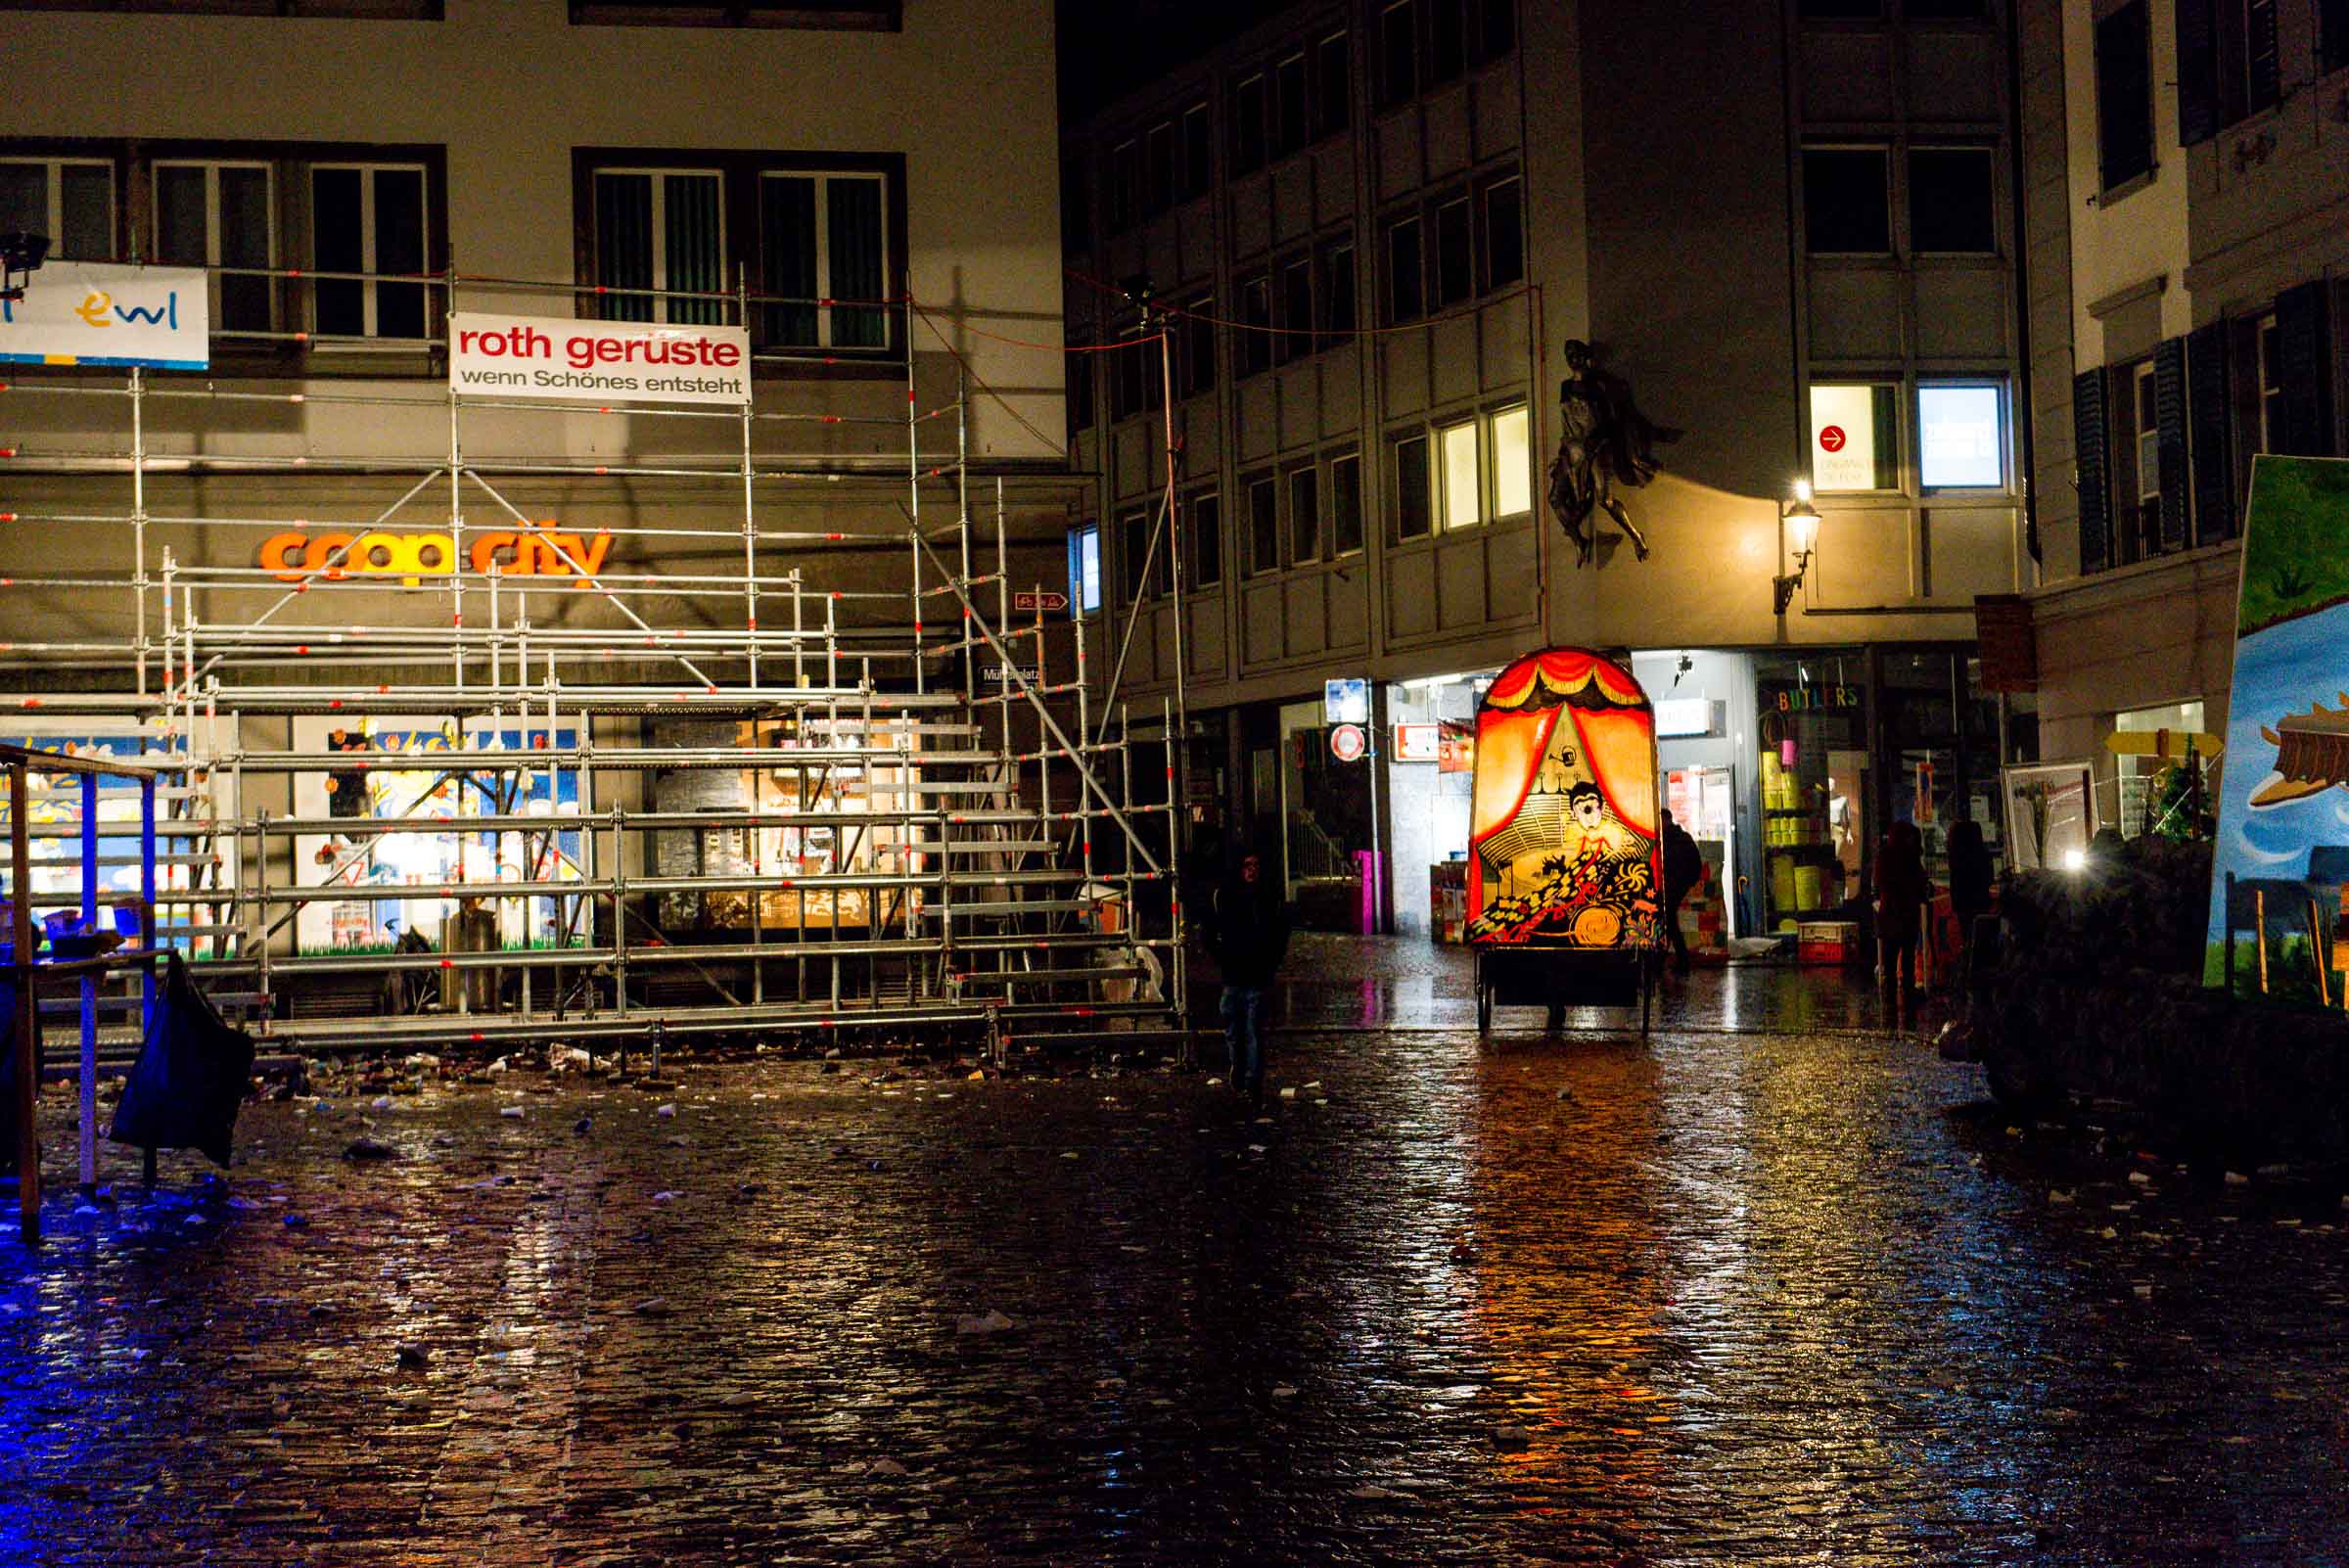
<point x="1248" y="933"/>
<point x="1969" y="884"/>
<point x="1902" y="894"/>
<point x="1683" y="869"/>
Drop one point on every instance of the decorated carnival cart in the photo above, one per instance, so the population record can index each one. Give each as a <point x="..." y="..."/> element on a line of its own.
<point x="1564" y="870"/>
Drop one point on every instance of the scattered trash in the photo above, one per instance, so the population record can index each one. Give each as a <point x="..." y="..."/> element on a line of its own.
<point x="2144" y="1291"/>
<point x="1215" y="1083"/>
<point x="1288" y="1093"/>
<point x="1565" y="1094"/>
<point x="885" y="1467"/>
<point x="296" y="1221"/>
<point x="1072" y="1154"/>
<point x="1512" y="1437"/>
<point x="990" y="1322"/>
<point x="2235" y="1178"/>
<point x="1284" y="1391"/>
<point x="739" y="1400"/>
<point x="511" y="1112"/>
<point x="664" y="1197"/>
<point x="651" y="1307"/>
<point x="1255" y="1148"/>
<point x="2138" y="1178"/>
<point x="359" y="1149"/>
<point x="1375" y="1494"/>
<point x="501" y="1065"/>
<point x="412" y="1357"/>
<point x="382" y="1102"/>
<point x="2056" y="1195"/>
<point x="665" y="1110"/>
<point x="978" y="1076"/>
<point x="2272" y="1171"/>
<point x="582" y="1124"/>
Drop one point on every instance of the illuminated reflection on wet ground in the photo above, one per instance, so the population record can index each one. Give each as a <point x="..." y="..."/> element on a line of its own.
<point x="1718" y="1299"/>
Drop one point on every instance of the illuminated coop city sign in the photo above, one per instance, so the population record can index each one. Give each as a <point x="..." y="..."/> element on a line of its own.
<point x="532" y="551"/>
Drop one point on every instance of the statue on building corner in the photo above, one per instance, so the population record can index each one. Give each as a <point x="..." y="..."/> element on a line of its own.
<point x="1604" y="442"/>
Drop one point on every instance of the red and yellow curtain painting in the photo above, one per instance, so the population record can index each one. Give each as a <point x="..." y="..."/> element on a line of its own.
<point x="1562" y="834"/>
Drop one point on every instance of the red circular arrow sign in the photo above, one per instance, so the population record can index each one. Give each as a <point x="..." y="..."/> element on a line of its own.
<point x="1832" y="437"/>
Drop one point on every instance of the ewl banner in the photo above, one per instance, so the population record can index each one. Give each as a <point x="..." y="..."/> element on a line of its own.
<point x="95" y="313"/>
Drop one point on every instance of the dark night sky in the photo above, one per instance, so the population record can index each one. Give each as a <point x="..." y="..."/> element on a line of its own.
<point x="1108" y="47"/>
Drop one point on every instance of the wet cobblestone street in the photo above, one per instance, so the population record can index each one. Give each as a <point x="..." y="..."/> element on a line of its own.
<point x="1782" y="1297"/>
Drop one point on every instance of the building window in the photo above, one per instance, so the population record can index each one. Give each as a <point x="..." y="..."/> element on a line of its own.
<point x="1847" y="207"/>
<point x="658" y="230"/>
<point x="1503" y="216"/>
<point x="1076" y="209"/>
<point x="831" y="16"/>
<point x="1125" y="185"/>
<point x="1414" y="493"/>
<point x="1961" y="437"/>
<point x="1496" y="32"/>
<point x="1158" y="167"/>
<point x="1206" y="535"/>
<point x="1345" y="504"/>
<point x="1512" y="457"/>
<point x="1407" y="289"/>
<point x="1456" y="258"/>
<point x="331" y="9"/>
<point x="1288" y="106"/>
<point x="1398" y="55"/>
<point x="1854" y="444"/>
<point x="1197" y="336"/>
<point x="2268" y="369"/>
<point x="1137" y="379"/>
<point x="2251" y="75"/>
<point x="1198" y="172"/>
<point x="1264" y="527"/>
<point x="2124" y="96"/>
<point x="1841" y="9"/>
<point x="1084" y="568"/>
<point x="1248" y="125"/>
<point x="367" y="218"/>
<point x="1333" y="87"/>
<point x="221" y="216"/>
<point x="1463" y="476"/>
<point x="1255" y="349"/>
<point x="1296" y="309"/>
<point x="1945" y="10"/>
<point x="1304" y="516"/>
<point x="71" y="200"/>
<point x="1337" y="292"/>
<point x="1951" y="208"/>
<point x="1134" y="550"/>
<point x="1081" y="358"/>
<point x="1446" y="41"/>
<point x="822" y="237"/>
<point x="2140" y="533"/>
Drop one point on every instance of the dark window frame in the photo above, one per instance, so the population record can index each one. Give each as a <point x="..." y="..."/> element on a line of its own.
<point x="2126" y="151"/>
<point x="1812" y="214"/>
<point x="1402" y="496"/>
<point x="742" y="170"/>
<point x="1301" y="537"/>
<point x="1205" y="534"/>
<point x="1912" y="185"/>
<point x="1255" y="349"/>
<point x="1396" y="309"/>
<point x="131" y="202"/>
<point x="1250" y="142"/>
<point x="1196" y="171"/>
<point x="811" y="15"/>
<point x="1261" y="496"/>
<point x="1338" y="517"/>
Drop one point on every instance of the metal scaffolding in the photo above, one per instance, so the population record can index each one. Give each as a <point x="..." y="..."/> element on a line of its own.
<point x="982" y="861"/>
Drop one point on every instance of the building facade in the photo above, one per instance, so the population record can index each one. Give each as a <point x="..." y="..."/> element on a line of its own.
<point x="1791" y="230"/>
<point x="2189" y="170"/>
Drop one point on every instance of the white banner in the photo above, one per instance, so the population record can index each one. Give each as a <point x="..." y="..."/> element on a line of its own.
<point x="598" y="361"/>
<point x="95" y="313"/>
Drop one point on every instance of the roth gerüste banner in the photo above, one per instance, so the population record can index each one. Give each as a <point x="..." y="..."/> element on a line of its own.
<point x="91" y="314"/>
<point x="598" y="361"/>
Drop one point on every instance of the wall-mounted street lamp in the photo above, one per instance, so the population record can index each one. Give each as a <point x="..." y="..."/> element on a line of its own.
<point x="1801" y="521"/>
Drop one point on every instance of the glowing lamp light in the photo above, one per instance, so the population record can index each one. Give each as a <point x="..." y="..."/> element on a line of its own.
<point x="2075" y="859"/>
<point x="1800" y="519"/>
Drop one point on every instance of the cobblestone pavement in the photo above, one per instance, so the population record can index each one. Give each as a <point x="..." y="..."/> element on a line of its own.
<point x="1794" y="1298"/>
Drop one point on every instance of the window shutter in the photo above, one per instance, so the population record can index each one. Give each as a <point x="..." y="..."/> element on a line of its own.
<point x="2304" y="370"/>
<point x="2088" y="444"/>
<point x="2169" y="425"/>
<point x="2260" y="51"/>
<point x="2210" y="415"/>
<point x="2197" y="70"/>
